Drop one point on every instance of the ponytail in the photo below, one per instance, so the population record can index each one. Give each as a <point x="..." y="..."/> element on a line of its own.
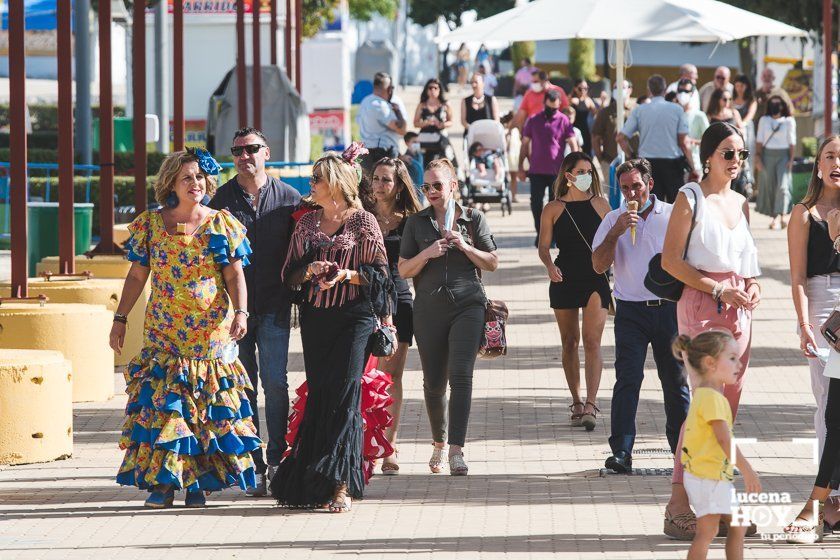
<point x="693" y="350"/>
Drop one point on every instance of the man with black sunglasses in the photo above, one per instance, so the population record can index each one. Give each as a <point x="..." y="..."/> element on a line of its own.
<point x="264" y="205"/>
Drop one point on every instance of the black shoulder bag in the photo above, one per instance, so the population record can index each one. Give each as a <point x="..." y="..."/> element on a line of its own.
<point x="657" y="280"/>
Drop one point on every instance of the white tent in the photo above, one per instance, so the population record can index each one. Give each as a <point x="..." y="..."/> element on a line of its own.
<point x="621" y="20"/>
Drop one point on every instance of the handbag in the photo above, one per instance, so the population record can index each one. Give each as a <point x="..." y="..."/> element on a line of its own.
<point x="659" y="282"/>
<point x="831" y="330"/>
<point x="383" y="341"/>
<point x="611" y="305"/>
<point x="493" y="336"/>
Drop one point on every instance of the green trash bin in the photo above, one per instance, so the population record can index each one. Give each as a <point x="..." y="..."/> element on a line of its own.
<point x="123" y="134"/>
<point x="43" y="230"/>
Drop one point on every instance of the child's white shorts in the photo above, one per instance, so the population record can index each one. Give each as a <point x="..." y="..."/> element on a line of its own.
<point x="709" y="496"/>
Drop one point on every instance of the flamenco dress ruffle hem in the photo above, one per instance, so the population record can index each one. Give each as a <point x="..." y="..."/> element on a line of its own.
<point x="188" y="420"/>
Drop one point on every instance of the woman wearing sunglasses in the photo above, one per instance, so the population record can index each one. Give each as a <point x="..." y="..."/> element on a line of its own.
<point x="775" y="145"/>
<point x="444" y="248"/>
<point x="338" y="265"/>
<point x="815" y="283"/>
<point x="390" y="197"/>
<point x="718" y="263"/>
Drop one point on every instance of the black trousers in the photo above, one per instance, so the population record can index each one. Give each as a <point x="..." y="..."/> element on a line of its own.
<point x="638" y="325"/>
<point x="668" y="177"/>
<point x="829" y="471"/>
<point x="539" y="183"/>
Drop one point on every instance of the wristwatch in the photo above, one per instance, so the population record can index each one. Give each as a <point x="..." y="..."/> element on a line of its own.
<point x="242" y="311"/>
<point x="119" y="318"/>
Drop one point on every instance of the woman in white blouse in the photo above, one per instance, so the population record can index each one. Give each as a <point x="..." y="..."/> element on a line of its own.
<point x="719" y="271"/>
<point x="775" y="143"/>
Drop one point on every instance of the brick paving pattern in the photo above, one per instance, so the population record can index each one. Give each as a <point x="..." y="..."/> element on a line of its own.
<point x="535" y="486"/>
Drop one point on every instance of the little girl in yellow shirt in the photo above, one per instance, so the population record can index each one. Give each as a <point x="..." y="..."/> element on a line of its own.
<point x="707" y="442"/>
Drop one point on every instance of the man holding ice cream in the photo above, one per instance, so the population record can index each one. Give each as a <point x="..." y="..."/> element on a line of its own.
<point x="627" y="239"/>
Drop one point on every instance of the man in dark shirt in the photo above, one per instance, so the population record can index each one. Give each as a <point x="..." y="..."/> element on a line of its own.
<point x="264" y="205"/>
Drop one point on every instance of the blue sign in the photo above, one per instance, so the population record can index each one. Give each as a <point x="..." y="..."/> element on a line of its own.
<point x="40" y="15"/>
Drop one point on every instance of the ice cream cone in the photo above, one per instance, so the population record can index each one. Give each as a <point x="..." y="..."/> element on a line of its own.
<point x="633" y="206"/>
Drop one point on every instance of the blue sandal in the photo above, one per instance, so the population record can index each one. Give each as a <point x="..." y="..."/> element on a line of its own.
<point x="160" y="500"/>
<point x="195" y="499"/>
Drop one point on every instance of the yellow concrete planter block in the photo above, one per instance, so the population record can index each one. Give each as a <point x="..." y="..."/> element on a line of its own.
<point x="101" y="266"/>
<point x="78" y="331"/>
<point x="111" y="266"/>
<point x="120" y="234"/>
<point x="94" y="291"/>
<point x="36" y="413"/>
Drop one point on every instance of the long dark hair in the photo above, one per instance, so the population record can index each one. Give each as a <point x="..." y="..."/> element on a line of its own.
<point x="407" y="203"/>
<point x="748" y="88"/>
<point x="716" y="133"/>
<point x="425" y="95"/>
<point x="815" y="185"/>
<point x="714" y="108"/>
<point x="561" y="184"/>
<point x="785" y="106"/>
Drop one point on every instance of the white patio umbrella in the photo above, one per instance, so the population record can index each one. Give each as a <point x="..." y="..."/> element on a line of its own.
<point x="706" y="21"/>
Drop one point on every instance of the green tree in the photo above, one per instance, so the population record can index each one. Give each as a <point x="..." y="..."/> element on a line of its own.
<point x="425" y="12"/>
<point x="520" y="50"/>
<point x="582" y="59"/>
<point x="804" y="14"/>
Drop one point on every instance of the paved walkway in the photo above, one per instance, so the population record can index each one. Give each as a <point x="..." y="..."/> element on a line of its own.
<point x="535" y="487"/>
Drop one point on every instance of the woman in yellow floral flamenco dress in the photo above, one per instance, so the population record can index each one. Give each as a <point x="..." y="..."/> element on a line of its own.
<point x="188" y="422"/>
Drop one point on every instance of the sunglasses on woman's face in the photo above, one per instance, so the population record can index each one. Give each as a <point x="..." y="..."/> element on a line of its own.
<point x="436" y="186"/>
<point x="236" y="151"/>
<point x="315" y="179"/>
<point x="729" y="155"/>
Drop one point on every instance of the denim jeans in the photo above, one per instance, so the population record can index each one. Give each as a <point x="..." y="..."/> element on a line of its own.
<point x="636" y="326"/>
<point x="272" y="341"/>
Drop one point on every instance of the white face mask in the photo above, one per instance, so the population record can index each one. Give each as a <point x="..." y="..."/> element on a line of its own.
<point x="615" y="93"/>
<point x="536" y="87"/>
<point x="414" y="147"/>
<point x="683" y="98"/>
<point x="583" y="182"/>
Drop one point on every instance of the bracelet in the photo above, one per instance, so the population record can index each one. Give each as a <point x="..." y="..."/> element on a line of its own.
<point x="809" y="325"/>
<point x="118" y="318"/>
<point x="837" y="244"/>
<point x="307" y="275"/>
<point x="242" y="311"/>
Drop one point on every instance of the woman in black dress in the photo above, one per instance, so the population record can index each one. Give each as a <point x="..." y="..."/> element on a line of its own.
<point x="478" y="106"/>
<point x="584" y="106"/>
<point x="433" y="116"/>
<point x="338" y="264"/>
<point x="570" y="221"/>
<point x="391" y="198"/>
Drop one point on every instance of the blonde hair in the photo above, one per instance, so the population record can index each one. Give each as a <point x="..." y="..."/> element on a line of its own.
<point x="442" y="163"/>
<point x="168" y="174"/>
<point x="342" y="178"/>
<point x="561" y="184"/>
<point x="709" y="343"/>
<point x="815" y="185"/>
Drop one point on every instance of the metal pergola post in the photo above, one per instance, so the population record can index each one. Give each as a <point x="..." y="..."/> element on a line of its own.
<point x="298" y="41"/>
<point x="106" y="136"/>
<point x="240" y="64"/>
<point x="17" y="145"/>
<point x="178" y="128"/>
<point x="256" y="76"/>
<point x="273" y="28"/>
<point x="829" y="68"/>
<point x="138" y="72"/>
<point x="287" y="41"/>
<point x="64" y="56"/>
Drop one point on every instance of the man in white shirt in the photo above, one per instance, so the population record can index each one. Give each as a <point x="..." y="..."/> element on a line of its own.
<point x="641" y="318"/>
<point x="721" y="81"/>
<point x="381" y="121"/>
<point x="687" y="72"/>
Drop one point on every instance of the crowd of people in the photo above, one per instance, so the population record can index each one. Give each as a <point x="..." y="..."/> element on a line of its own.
<point x="233" y="267"/>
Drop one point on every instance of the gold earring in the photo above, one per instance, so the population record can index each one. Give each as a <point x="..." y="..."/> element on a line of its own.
<point x="706" y="168"/>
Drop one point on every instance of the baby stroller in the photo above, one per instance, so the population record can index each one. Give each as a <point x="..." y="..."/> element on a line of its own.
<point x="485" y="188"/>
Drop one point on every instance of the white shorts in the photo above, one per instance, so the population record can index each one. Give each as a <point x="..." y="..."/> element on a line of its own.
<point x="709" y="497"/>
